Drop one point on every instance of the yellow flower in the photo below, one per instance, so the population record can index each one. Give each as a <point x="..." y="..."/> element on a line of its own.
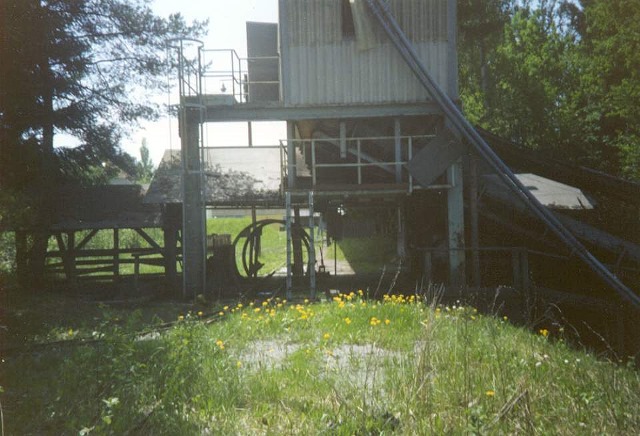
<point x="306" y="301"/>
<point x="180" y="318"/>
<point x="326" y="336"/>
<point x="256" y="310"/>
<point x="490" y="393"/>
<point x="387" y="322"/>
<point x="220" y="344"/>
<point x="544" y="332"/>
<point x="200" y="313"/>
<point x="238" y="364"/>
<point x="221" y="313"/>
<point x="347" y="321"/>
<point x="505" y="317"/>
<point x="265" y="303"/>
<point x="225" y="308"/>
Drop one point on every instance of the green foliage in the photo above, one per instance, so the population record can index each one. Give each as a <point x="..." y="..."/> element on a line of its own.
<point x="351" y="365"/>
<point x="81" y="68"/>
<point x="556" y="76"/>
<point x="145" y="167"/>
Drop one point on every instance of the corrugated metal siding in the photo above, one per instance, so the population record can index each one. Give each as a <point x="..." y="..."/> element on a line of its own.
<point x="422" y="20"/>
<point x="323" y="68"/>
<point x="341" y="74"/>
<point x="313" y="22"/>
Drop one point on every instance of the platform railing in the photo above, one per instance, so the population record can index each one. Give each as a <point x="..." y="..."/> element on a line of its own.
<point x="225" y="72"/>
<point x="357" y="155"/>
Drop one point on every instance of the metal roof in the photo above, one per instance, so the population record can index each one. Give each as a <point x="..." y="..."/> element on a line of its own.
<point x="550" y="193"/>
<point x="234" y="176"/>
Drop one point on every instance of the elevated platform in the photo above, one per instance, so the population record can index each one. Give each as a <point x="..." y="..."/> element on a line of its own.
<point x="225" y="107"/>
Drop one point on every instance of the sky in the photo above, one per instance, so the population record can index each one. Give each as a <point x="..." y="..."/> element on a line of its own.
<point x="227" y="20"/>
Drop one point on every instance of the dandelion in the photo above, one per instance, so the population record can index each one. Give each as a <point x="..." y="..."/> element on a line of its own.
<point x="505" y="317"/>
<point x="326" y="336"/>
<point x="265" y="303"/>
<point x="225" y="308"/>
<point x="256" y="310"/>
<point x="387" y="322"/>
<point x="200" y="313"/>
<point x="181" y="318"/>
<point x="347" y="321"/>
<point x="221" y="313"/>
<point x="220" y="344"/>
<point x="238" y="364"/>
<point x="306" y="301"/>
<point x="544" y="332"/>
<point x="374" y="321"/>
<point x="490" y="393"/>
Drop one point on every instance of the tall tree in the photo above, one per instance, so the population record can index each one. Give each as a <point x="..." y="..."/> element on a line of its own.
<point x="145" y="166"/>
<point x="480" y="30"/>
<point x="81" y="67"/>
<point x="610" y="79"/>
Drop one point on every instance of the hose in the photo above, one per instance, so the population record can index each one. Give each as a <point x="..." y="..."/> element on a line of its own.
<point x="255" y="230"/>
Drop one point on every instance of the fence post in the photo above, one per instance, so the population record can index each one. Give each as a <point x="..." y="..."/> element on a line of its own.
<point x="312" y="249"/>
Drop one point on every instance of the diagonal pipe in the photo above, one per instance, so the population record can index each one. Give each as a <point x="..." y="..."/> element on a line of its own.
<point x="463" y="128"/>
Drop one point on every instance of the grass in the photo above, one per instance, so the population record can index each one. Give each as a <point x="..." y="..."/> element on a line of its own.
<point x="363" y="255"/>
<point x="347" y="366"/>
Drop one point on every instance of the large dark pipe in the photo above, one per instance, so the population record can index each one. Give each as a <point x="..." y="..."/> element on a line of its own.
<point x="463" y="128"/>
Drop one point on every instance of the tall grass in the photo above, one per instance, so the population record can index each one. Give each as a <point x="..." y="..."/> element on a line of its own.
<point x="347" y="366"/>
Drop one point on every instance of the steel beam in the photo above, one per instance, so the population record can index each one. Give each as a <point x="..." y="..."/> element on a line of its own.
<point x="278" y="112"/>
<point x="455" y="227"/>
<point x="193" y="225"/>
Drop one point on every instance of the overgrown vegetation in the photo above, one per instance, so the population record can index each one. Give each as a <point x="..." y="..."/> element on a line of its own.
<point x="560" y="76"/>
<point x="351" y="365"/>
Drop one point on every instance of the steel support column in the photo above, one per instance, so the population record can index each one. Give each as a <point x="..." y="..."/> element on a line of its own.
<point x="455" y="227"/>
<point x="193" y="223"/>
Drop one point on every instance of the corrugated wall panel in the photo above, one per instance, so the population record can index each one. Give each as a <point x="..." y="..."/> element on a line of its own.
<point x="340" y="74"/>
<point x="325" y="68"/>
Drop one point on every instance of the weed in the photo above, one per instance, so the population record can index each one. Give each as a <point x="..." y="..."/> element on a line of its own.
<point x="348" y="366"/>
